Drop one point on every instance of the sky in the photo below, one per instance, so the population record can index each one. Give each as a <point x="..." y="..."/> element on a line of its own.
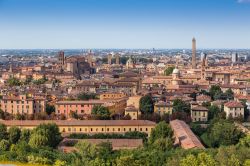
<point x="28" y="24"/>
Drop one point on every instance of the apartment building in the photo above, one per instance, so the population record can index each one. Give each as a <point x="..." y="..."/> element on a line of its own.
<point x="22" y="104"/>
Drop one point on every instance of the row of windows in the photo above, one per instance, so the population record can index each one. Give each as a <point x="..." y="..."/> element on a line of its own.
<point x="82" y="105"/>
<point x="102" y="129"/>
<point x="199" y="113"/>
<point x="77" y="111"/>
<point x="22" y="102"/>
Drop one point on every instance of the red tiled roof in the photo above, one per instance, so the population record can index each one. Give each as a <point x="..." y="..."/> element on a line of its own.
<point x="199" y="108"/>
<point x="79" y="122"/>
<point x="184" y="135"/>
<point x="233" y="104"/>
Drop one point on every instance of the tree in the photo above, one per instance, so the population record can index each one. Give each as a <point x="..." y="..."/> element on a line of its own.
<point x="50" y="108"/>
<point x="14" y="134"/>
<point x="229" y="94"/>
<point x="215" y="91"/>
<point x="104" y="150"/>
<point x="146" y="105"/>
<point x="45" y="135"/>
<point x="73" y="115"/>
<point x="162" y="130"/>
<point x="87" y="151"/>
<point x="100" y="112"/>
<point x="181" y="106"/>
<point x="86" y="96"/>
<point x="245" y="142"/>
<point x="25" y="135"/>
<point x="38" y="140"/>
<point x="222" y="132"/>
<point x="190" y="160"/>
<point x="163" y="144"/>
<point x="202" y="159"/>
<point x="213" y="111"/>
<point x="168" y="71"/>
<point x="4" y="145"/>
<point x="3" y="132"/>
<point x="13" y="82"/>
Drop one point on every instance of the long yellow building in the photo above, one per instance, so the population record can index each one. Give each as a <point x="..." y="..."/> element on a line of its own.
<point x="88" y="126"/>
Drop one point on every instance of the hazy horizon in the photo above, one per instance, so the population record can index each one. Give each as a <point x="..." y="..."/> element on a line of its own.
<point x="124" y="24"/>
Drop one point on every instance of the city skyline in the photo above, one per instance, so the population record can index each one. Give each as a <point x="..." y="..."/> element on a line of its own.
<point x="131" y="24"/>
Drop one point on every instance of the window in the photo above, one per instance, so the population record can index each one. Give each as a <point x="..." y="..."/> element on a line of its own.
<point x="129" y="129"/>
<point x="124" y="129"/>
<point x="107" y="129"/>
<point x="140" y="129"/>
<point x="146" y="129"/>
<point x="102" y="129"/>
<point x="135" y="129"/>
<point x="91" y="129"/>
<point x="69" y="129"/>
<point x="80" y="129"/>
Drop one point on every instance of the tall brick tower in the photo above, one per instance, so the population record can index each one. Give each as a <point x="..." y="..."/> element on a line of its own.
<point x="193" y="53"/>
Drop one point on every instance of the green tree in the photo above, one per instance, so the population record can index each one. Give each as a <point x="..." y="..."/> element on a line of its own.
<point x="25" y="135"/>
<point x="215" y="92"/>
<point x="213" y="111"/>
<point x="100" y="112"/>
<point x="163" y="144"/>
<point x="86" y="96"/>
<point x="3" y="132"/>
<point x="206" y="160"/>
<point x="50" y="108"/>
<point x="169" y="71"/>
<point x="229" y="94"/>
<point x="14" y="134"/>
<point x="13" y="82"/>
<point x="222" y="132"/>
<point x="4" y="145"/>
<point x="104" y="151"/>
<point x="38" y="140"/>
<point x="87" y="151"/>
<point x="181" y="106"/>
<point x="45" y="135"/>
<point x="162" y="130"/>
<point x="146" y="105"/>
<point x="190" y="160"/>
<point x="245" y="142"/>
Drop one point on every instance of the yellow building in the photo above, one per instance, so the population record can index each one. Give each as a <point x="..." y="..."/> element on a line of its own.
<point x="88" y="126"/>
<point x="163" y="108"/>
<point x="132" y="112"/>
<point x="199" y="114"/>
<point x="234" y="109"/>
<point x="135" y="101"/>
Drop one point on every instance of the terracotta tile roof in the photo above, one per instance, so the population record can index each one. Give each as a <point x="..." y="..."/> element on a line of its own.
<point x="234" y="104"/>
<point x="184" y="135"/>
<point x="199" y="108"/>
<point x="79" y="122"/>
<point x="203" y="98"/>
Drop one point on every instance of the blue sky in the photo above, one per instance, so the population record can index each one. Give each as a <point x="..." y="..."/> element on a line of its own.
<point x="124" y="23"/>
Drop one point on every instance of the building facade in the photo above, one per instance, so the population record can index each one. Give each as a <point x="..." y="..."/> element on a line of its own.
<point x="234" y="109"/>
<point x="22" y="104"/>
